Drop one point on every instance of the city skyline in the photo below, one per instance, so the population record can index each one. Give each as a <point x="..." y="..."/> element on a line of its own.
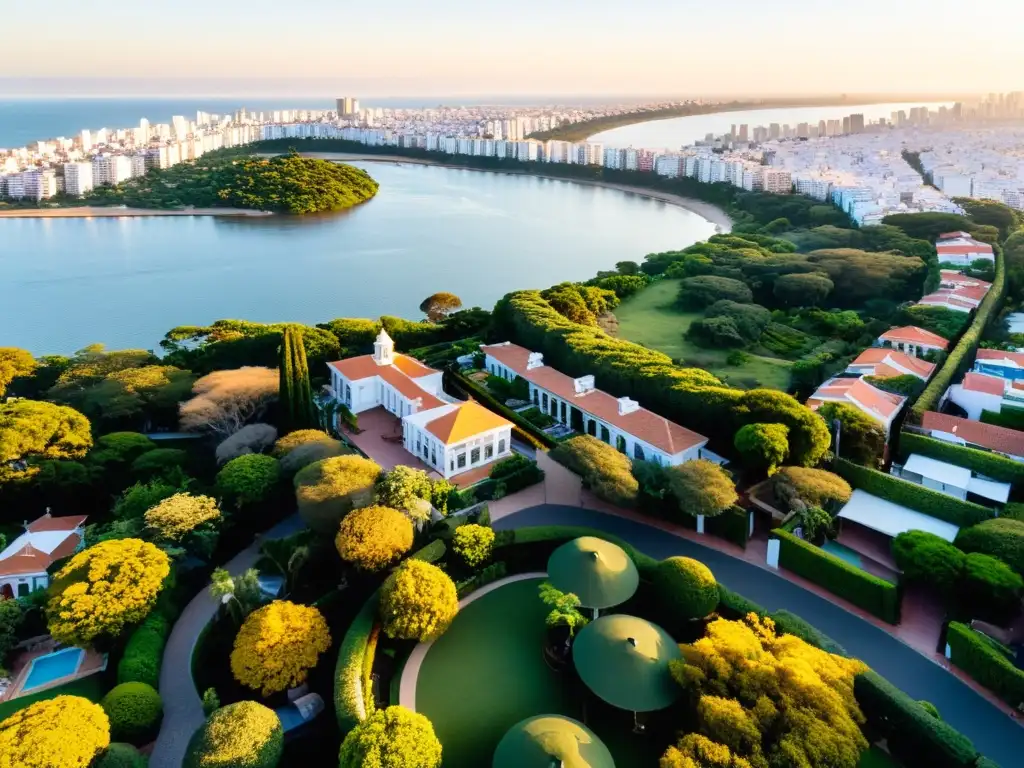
<point x="574" y="48"/>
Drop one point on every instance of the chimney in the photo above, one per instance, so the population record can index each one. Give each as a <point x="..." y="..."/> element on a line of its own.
<point x="535" y="360"/>
<point x="627" y="406"/>
<point x="583" y="385"/>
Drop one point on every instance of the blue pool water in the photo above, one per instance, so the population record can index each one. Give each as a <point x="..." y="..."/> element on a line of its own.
<point x="843" y="552"/>
<point x="290" y="717"/>
<point x="54" y="666"/>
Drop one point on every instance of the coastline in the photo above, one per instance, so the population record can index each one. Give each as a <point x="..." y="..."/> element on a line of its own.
<point x="705" y="210"/>
<point x="93" y="212"/>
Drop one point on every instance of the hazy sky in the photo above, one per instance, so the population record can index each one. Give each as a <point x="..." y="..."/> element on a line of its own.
<point x="448" y="47"/>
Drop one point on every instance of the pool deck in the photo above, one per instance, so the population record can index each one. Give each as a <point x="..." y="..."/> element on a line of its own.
<point x="91" y="663"/>
<point x="411" y="671"/>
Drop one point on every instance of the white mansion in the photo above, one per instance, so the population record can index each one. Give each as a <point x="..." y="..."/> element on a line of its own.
<point x="450" y="436"/>
<point x="576" y="403"/>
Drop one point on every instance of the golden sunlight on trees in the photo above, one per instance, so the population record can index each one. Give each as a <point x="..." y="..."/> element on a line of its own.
<point x="373" y="538"/>
<point x="62" y="732"/>
<point x="418" y="602"/>
<point x="225" y="401"/>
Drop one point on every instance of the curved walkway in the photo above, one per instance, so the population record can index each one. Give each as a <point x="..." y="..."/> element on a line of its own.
<point x="183" y="709"/>
<point x="995" y="735"/>
<point x="411" y="671"/>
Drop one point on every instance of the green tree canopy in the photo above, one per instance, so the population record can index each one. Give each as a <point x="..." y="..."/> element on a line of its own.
<point x="803" y="290"/>
<point x="928" y="226"/>
<point x="764" y="446"/>
<point x="437" y="306"/>
<point x="35" y="429"/>
<point x="328" y="490"/>
<point x="296" y="410"/>
<point x="701" y="487"/>
<point x="249" y="479"/>
<point x="418" y="602"/>
<point x="604" y="470"/>
<point x="862" y="439"/>
<point x="704" y="290"/>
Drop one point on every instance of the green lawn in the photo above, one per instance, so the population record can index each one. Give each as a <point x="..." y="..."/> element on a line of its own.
<point x="650" y="318"/>
<point x="93" y="687"/>
<point x="487" y="672"/>
<point x="876" y="758"/>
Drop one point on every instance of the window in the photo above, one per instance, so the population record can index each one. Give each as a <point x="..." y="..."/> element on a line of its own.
<point x="488" y="451"/>
<point x="474" y="456"/>
<point x="452" y="464"/>
<point x="348" y="395"/>
<point x="425" y="452"/>
<point x="620" y="443"/>
<point x="561" y="410"/>
<point x="638" y="452"/>
<point x="536" y="397"/>
<point x="553" y="410"/>
<point x="22" y="589"/>
<point x="501" y="445"/>
<point x="592" y="428"/>
<point x="605" y="434"/>
<point x="544" y="400"/>
<point x="461" y="460"/>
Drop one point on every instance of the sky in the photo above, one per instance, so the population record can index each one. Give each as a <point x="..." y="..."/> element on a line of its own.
<point x="461" y="47"/>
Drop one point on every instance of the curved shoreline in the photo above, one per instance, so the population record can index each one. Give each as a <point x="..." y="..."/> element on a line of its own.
<point x="101" y="212"/>
<point x="707" y="211"/>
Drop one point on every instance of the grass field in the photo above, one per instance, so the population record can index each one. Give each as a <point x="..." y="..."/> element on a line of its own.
<point x="650" y="318"/>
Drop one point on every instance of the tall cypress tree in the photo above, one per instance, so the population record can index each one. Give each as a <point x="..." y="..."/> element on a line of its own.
<point x="296" y="398"/>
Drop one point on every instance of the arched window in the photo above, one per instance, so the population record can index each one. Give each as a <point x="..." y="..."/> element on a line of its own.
<point x="605" y="434"/>
<point x="638" y="452"/>
<point x="592" y="428"/>
<point x="620" y="443"/>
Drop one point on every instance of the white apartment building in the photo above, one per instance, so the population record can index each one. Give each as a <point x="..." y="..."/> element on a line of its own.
<point x="39" y="184"/>
<point x="77" y="178"/>
<point x="778" y="182"/>
<point x="110" y="169"/>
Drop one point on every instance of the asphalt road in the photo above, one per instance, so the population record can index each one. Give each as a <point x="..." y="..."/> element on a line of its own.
<point x="994" y="734"/>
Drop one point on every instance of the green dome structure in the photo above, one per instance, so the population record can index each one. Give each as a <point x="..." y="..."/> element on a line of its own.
<point x="624" y="661"/>
<point x="545" y="741"/>
<point x="598" y="572"/>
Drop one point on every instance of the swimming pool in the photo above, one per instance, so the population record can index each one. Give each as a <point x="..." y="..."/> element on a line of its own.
<point x="53" y="666"/>
<point x="843" y="552"/>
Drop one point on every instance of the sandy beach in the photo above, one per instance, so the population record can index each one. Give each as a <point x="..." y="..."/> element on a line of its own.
<point x="84" y="212"/>
<point x="712" y="213"/>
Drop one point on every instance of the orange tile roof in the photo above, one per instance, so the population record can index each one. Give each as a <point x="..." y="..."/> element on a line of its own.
<point x="365" y="367"/>
<point x="643" y="424"/>
<point x="979" y="382"/>
<point x="49" y="523"/>
<point x="958" y="278"/>
<point x="880" y="357"/>
<point x="915" y="335"/>
<point x="356" y="368"/>
<point x="28" y="559"/>
<point x="465" y="421"/>
<point x="858" y="393"/>
<point x="412" y="367"/>
<point x="998" y="354"/>
<point x="988" y="436"/>
<point x="948" y="235"/>
<point x="978" y="248"/>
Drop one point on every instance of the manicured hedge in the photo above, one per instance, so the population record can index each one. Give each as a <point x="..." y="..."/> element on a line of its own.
<point x="791" y="624"/>
<point x="1007" y="416"/>
<point x="992" y="465"/>
<point x="914" y="736"/>
<point x="529" y="548"/>
<point x="534" y="436"/>
<point x="431" y="553"/>
<point x="733" y="605"/>
<point x="517" y="481"/>
<point x="912" y="495"/>
<point x="732" y="525"/>
<point x="135" y="711"/>
<point x="352" y="703"/>
<point x="876" y="596"/>
<point x="961" y="356"/>
<point x="977" y="655"/>
<point x="144" y="651"/>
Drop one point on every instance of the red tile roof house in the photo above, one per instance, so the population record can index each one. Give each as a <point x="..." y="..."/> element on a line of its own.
<point x="24" y="562"/>
<point x="881" y="406"/>
<point x="577" y="403"/>
<point x="996" y="362"/>
<point x="912" y="340"/>
<point x="879" y="361"/>
<point x="961" y="249"/>
<point x="974" y="434"/>
<point x="980" y="392"/>
<point x="450" y="436"/>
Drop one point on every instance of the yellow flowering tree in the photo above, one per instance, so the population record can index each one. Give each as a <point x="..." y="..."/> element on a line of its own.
<point x="277" y="645"/>
<point x="697" y="751"/>
<point x="418" y="602"/>
<point x="241" y="735"/>
<point x="473" y="543"/>
<point x="328" y="490"/>
<point x="372" y="538"/>
<point x="105" y="588"/>
<point x="391" y="737"/>
<point x="177" y="516"/>
<point x="62" y="732"/>
<point x="768" y="698"/>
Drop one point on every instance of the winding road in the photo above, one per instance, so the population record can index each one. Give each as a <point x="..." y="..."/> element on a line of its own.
<point x="994" y="734"/>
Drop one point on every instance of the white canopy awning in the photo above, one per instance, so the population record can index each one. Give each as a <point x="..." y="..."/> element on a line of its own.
<point x="989" y="489"/>
<point x="939" y="471"/>
<point x="892" y="519"/>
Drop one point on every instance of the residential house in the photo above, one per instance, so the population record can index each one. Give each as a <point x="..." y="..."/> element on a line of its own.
<point x="961" y="249"/>
<point x="913" y="340"/>
<point x="46" y="540"/>
<point x="885" y="362"/>
<point x="974" y="434"/>
<point x="982" y="392"/>
<point x="450" y="436"/>
<point x="952" y="480"/>
<point x="578" y="404"/>
<point x="881" y="406"/>
<point x="996" y="362"/>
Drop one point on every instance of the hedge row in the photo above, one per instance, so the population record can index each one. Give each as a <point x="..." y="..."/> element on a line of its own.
<point x="528" y="549"/>
<point x="876" y="596"/>
<point x="1007" y="416"/>
<point x="525" y="430"/>
<point x="912" y="495"/>
<point x="915" y="737"/>
<point x="993" y="465"/>
<point x="976" y="655"/>
<point x="732" y="525"/>
<point x="352" y="702"/>
<point x="960" y="358"/>
<point x="144" y="651"/>
<point x="517" y="481"/>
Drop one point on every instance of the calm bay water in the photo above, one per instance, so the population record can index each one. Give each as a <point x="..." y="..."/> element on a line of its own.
<point x="66" y="283"/>
<point x="680" y="131"/>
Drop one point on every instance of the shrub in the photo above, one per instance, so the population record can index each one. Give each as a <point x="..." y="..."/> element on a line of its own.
<point x="418" y="602"/>
<point x="862" y="439"/>
<point x="253" y="438"/>
<point x="510" y="466"/>
<point x="750" y="320"/>
<point x="990" y="589"/>
<point x="927" y="559"/>
<point x="703" y="290"/>
<point x="930" y="708"/>
<point x="240" y="735"/>
<point x="372" y="538"/>
<point x="144" y="652"/>
<point x="391" y="737"/>
<point x="135" y="711"/>
<point x="352" y="702"/>
<point x="120" y="756"/>
<point x="977" y="655"/>
<point x="914" y="736"/>
<point x="62" y="732"/>
<point x="992" y="465"/>
<point x="328" y="490"/>
<point x="277" y="645"/>
<point x="802" y="290"/>
<point x="473" y="544"/>
<point x="791" y="624"/>
<point x="686" y="588"/>
<point x="249" y="479"/>
<point x="764" y="446"/>
<point x="404" y="488"/>
<point x="175" y="517"/>
<point x="1000" y="537"/>
<point x="702" y="487"/>
<point x="812" y="487"/>
<point x="732" y="525"/>
<point x="105" y="588"/>
<point x="211" y="701"/>
<point x="917" y="497"/>
<point x="160" y="462"/>
<point x="876" y="596"/>
<point x="604" y="470"/>
<point x="308" y="453"/>
<point x="293" y="440"/>
<point x="1011" y="418"/>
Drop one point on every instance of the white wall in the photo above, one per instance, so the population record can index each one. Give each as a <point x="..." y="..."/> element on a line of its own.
<point x="974" y="402"/>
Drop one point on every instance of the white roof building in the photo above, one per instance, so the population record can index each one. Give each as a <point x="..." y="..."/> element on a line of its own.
<point x="24" y="561"/>
<point x="892" y="519"/>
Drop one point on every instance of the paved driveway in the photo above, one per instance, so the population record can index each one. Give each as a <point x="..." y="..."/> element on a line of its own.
<point x="994" y="734"/>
